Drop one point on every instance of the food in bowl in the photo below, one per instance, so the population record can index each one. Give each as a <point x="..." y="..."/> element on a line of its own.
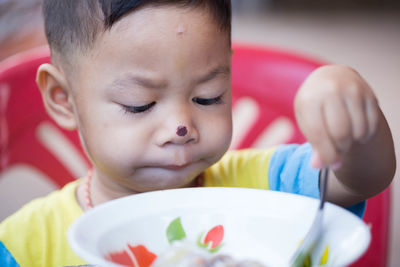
<point x="182" y="253"/>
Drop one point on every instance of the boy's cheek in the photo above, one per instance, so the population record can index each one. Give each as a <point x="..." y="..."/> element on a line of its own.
<point x="222" y="135"/>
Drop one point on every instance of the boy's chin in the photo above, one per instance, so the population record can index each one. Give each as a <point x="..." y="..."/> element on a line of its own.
<point x="165" y="181"/>
<point x="170" y="177"/>
<point x="151" y="188"/>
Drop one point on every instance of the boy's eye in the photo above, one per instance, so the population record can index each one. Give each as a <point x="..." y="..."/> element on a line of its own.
<point x="207" y="101"/>
<point x="138" y="109"/>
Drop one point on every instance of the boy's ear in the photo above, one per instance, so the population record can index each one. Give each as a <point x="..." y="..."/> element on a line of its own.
<point x="56" y="95"/>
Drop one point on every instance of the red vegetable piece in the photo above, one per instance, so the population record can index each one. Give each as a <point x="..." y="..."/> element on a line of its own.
<point x="121" y="258"/>
<point x="143" y="256"/>
<point x="215" y="236"/>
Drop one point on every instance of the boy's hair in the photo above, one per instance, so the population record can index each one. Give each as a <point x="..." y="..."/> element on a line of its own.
<point x="72" y="25"/>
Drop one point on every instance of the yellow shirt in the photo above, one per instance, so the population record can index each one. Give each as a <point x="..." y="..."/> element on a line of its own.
<point x="37" y="234"/>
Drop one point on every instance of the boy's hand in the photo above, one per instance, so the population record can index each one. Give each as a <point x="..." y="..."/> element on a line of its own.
<point x="335" y="108"/>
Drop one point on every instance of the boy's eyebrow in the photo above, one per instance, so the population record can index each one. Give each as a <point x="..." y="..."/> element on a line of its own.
<point x="224" y="70"/>
<point x="129" y="79"/>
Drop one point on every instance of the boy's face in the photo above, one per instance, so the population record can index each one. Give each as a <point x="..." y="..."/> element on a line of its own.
<point x="157" y="69"/>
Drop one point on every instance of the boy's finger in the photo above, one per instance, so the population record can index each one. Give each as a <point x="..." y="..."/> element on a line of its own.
<point x="356" y="106"/>
<point x="326" y="149"/>
<point x="372" y="111"/>
<point x="314" y="129"/>
<point x="338" y="122"/>
<point x="316" y="162"/>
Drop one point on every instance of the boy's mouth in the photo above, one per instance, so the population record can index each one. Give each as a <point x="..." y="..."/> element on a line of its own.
<point x="175" y="167"/>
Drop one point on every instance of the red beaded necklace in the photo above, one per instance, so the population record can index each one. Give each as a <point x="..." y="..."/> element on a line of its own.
<point x="88" y="199"/>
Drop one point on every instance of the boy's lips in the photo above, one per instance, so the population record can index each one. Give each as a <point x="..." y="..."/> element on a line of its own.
<point x="175" y="166"/>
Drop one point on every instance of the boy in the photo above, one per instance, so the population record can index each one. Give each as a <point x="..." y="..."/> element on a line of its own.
<point x="147" y="84"/>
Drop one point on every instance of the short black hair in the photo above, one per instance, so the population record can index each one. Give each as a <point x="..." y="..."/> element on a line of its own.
<point x="75" y="24"/>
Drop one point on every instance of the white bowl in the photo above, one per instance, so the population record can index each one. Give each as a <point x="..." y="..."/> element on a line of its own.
<point x="260" y="225"/>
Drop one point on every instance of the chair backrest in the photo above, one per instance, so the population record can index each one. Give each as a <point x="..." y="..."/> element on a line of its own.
<point x="31" y="144"/>
<point x="266" y="80"/>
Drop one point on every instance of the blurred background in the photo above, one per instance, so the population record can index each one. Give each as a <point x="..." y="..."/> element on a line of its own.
<point x="364" y="34"/>
<point x="21" y="26"/>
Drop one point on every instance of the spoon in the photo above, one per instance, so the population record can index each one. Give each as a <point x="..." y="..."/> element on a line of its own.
<point x="314" y="233"/>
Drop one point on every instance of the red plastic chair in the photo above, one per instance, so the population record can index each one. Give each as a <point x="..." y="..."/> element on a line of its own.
<point x="28" y="136"/>
<point x="265" y="82"/>
<point x="268" y="79"/>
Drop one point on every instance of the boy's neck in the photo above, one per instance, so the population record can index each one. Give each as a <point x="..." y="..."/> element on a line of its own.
<point x="94" y="191"/>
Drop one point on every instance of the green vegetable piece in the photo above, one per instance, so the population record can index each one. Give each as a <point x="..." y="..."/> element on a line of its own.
<point x="214" y="250"/>
<point x="201" y="244"/>
<point x="175" y="231"/>
<point x="307" y="262"/>
<point x="206" y="245"/>
<point x="304" y="260"/>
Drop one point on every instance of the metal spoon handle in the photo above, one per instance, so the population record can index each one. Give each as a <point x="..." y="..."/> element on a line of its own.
<point x="323" y="184"/>
<point x="315" y="230"/>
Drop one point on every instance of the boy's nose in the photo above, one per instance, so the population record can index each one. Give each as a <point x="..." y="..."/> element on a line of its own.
<point x="180" y="130"/>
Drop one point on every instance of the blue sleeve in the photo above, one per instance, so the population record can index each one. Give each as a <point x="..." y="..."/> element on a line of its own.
<point x="6" y="259"/>
<point x="290" y="171"/>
